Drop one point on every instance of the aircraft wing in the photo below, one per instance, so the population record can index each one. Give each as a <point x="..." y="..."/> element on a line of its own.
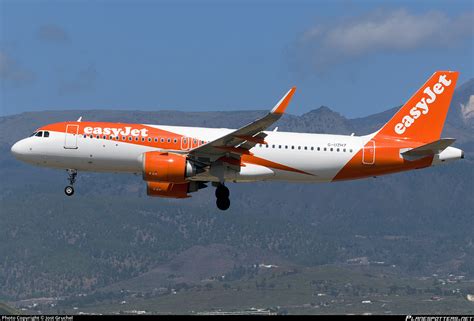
<point x="240" y="141"/>
<point x="429" y="149"/>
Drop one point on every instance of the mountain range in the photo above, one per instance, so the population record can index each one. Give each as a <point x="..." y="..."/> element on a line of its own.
<point x="110" y="235"/>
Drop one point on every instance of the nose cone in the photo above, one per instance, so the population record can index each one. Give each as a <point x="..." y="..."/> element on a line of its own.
<point x="18" y="149"/>
<point x="15" y="149"/>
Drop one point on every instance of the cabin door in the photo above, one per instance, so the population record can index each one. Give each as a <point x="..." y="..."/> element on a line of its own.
<point x="70" y="140"/>
<point x="368" y="153"/>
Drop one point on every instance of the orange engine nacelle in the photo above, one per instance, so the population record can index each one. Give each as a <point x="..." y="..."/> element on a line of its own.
<point x="163" y="189"/>
<point x="166" y="167"/>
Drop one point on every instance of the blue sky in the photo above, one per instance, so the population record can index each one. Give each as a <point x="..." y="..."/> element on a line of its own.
<point x="357" y="57"/>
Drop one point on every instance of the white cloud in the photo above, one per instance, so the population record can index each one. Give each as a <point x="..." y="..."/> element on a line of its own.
<point x="379" y="31"/>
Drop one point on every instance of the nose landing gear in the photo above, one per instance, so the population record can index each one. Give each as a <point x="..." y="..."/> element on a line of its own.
<point x="222" y="195"/>
<point x="69" y="190"/>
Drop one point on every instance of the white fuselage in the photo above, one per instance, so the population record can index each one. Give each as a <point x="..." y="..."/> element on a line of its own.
<point x="317" y="154"/>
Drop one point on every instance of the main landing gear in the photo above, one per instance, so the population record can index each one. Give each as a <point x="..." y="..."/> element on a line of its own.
<point x="69" y="190"/>
<point x="222" y="195"/>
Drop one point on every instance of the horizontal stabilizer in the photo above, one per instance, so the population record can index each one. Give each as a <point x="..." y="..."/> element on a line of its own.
<point x="430" y="149"/>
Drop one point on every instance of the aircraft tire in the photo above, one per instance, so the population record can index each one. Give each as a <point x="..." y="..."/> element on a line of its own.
<point x="222" y="191"/>
<point x="69" y="190"/>
<point x="223" y="203"/>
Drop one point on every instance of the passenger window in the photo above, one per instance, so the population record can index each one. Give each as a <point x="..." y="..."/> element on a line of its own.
<point x="149" y="139"/>
<point x="331" y="149"/>
<point x="91" y="136"/>
<point x="350" y="150"/>
<point x="319" y="149"/>
<point x="105" y="137"/>
<point x="162" y="140"/>
<point x="273" y="146"/>
<point x="39" y="134"/>
<point x="175" y="140"/>
<point x="143" y="139"/>
<point x="279" y="146"/>
<point x="292" y="147"/>
<point x="325" y="149"/>
<point x="286" y="146"/>
<point x="299" y="147"/>
<point x="337" y="149"/>
<point x="85" y="136"/>
<point x="136" y="139"/>
<point x="130" y="138"/>
<point x="344" y="150"/>
<point x="305" y="148"/>
<point x="46" y="134"/>
<point x="169" y="140"/>
<point x="156" y="140"/>
<point x="97" y="136"/>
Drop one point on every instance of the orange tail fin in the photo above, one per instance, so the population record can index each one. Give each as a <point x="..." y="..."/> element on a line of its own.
<point x="423" y="115"/>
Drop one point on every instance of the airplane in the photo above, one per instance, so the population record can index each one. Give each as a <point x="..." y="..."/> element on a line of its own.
<point x="176" y="161"/>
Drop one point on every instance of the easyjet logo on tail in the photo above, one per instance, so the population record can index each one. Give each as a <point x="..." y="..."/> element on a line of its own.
<point x="423" y="106"/>
<point x="116" y="131"/>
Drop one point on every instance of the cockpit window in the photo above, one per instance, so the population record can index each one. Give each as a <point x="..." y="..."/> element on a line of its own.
<point x="40" y="134"/>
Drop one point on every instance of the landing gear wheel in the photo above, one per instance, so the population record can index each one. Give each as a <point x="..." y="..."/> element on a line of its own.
<point x="222" y="191"/>
<point x="223" y="203"/>
<point x="69" y="190"/>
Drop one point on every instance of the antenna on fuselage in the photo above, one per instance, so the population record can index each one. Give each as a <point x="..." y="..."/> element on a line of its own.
<point x="79" y="119"/>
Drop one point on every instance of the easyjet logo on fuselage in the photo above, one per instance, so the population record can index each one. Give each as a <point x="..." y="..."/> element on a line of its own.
<point x="123" y="131"/>
<point x="423" y="106"/>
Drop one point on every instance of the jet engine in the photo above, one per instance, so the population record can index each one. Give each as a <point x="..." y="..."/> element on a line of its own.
<point x="172" y="190"/>
<point x="166" y="167"/>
